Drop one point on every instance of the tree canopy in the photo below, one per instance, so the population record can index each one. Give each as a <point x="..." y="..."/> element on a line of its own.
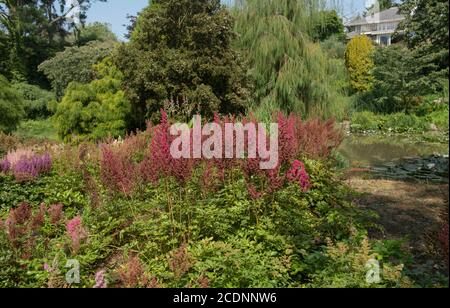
<point x="427" y="33"/>
<point x="33" y="30"/>
<point x="180" y="56"/>
<point x="75" y="64"/>
<point x="291" y="72"/>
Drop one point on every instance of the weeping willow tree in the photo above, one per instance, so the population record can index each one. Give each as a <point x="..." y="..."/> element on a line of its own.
<point x="291" y="73"/>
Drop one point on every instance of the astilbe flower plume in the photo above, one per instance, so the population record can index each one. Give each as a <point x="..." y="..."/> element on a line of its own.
<point x="159" y="162"/>
<point x="132" y="274"/>
<point x="100" y="280"/>
<point x="5" y="166"/>
<point x="118" y="172"/>
<point x="28" y="168"/>
<point x="21" y="226"/>
<point x="298" y="174"/>
<point x="55" y="212"/>
<point x="180" y="261"/>
<point x="76" y="232"/>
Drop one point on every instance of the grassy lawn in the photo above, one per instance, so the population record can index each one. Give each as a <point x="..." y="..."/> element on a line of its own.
<point x="37" y="129"/>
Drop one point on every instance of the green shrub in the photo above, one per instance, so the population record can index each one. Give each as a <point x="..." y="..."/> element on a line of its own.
<point x="96" y="110"/>
<point x="365" y="121"/>
<point x="36" y="100"/>
<point x="346" y="265"/>
<point x="440" y="119"/>
<point x="11" y="106"/>
<point x="404" y="123"/>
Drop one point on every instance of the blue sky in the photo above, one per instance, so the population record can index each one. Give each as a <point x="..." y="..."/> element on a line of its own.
<point x="114" y="12"/>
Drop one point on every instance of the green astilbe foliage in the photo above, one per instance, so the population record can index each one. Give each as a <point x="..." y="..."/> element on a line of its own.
<point x="11" y="106"/>
<point x="96" y="110"/>
<point x="291" y="73"/>
<point x="180" y="53"/>
<point x="75" y="64"/>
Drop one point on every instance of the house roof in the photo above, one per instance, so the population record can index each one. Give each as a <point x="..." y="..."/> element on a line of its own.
<point x="392" y="14"/>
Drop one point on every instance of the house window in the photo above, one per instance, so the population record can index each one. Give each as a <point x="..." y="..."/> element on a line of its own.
<point x="385" y="40"/>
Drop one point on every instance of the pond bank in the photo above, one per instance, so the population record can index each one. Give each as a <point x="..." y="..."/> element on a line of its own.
<point x="405" y="182"/>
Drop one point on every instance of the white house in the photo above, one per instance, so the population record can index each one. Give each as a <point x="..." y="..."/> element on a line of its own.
<point x="380" y="27"/>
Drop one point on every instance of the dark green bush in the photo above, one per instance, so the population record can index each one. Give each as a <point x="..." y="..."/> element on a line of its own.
<point x="36" y="100"/>
<point x="11" y="106"/>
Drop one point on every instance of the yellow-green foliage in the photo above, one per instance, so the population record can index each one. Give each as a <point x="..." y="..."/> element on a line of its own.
<point x="359" y="63"/>
<point x="96" y="110"/>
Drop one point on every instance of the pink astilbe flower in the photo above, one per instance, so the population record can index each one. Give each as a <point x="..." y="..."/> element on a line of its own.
<point x="5" y="166"/>
<point x="298" y="174"/>
<point x="159" y="162"/>
<point x="15" y="156"/>
<point x="287" y="137"/>
<point x="76" y="232"/>
<point x="46" y="267"/>
<point x="28" y="168"/>
<point x="100" y="280"/>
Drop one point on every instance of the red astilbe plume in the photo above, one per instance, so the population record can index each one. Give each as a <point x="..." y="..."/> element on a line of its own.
<point x="55" y="213"/>
<point x="287" y="137"/>
<point x="38" y="220"/>
<point x="132" y="274"/>
<point x="180" y="261"/>
<point x="118" y="171"/>
<point x="298" y="174"/>
<point x="17" y="223"/>
<point x="22" y="228"/>
<point x="159" y="162"/>
<point x="318" y="138"/>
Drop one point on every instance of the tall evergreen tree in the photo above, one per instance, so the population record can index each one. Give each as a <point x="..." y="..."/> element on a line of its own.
<point x="180" y="58"/>
<point x="291" y="72"/>
<point x="427" y="33"/>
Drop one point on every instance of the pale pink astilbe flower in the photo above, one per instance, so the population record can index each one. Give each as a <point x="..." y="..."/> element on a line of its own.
<point x="100" y="280"/>
<point x="76" y="232"/>
<point x="13" y="157"/>
<point x="298" y="174"/>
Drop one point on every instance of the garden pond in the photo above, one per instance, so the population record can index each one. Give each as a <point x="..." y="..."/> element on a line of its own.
<point x="397" y="157"/>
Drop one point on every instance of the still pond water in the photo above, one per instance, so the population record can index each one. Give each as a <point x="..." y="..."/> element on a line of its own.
<point x="397" y="157"/>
